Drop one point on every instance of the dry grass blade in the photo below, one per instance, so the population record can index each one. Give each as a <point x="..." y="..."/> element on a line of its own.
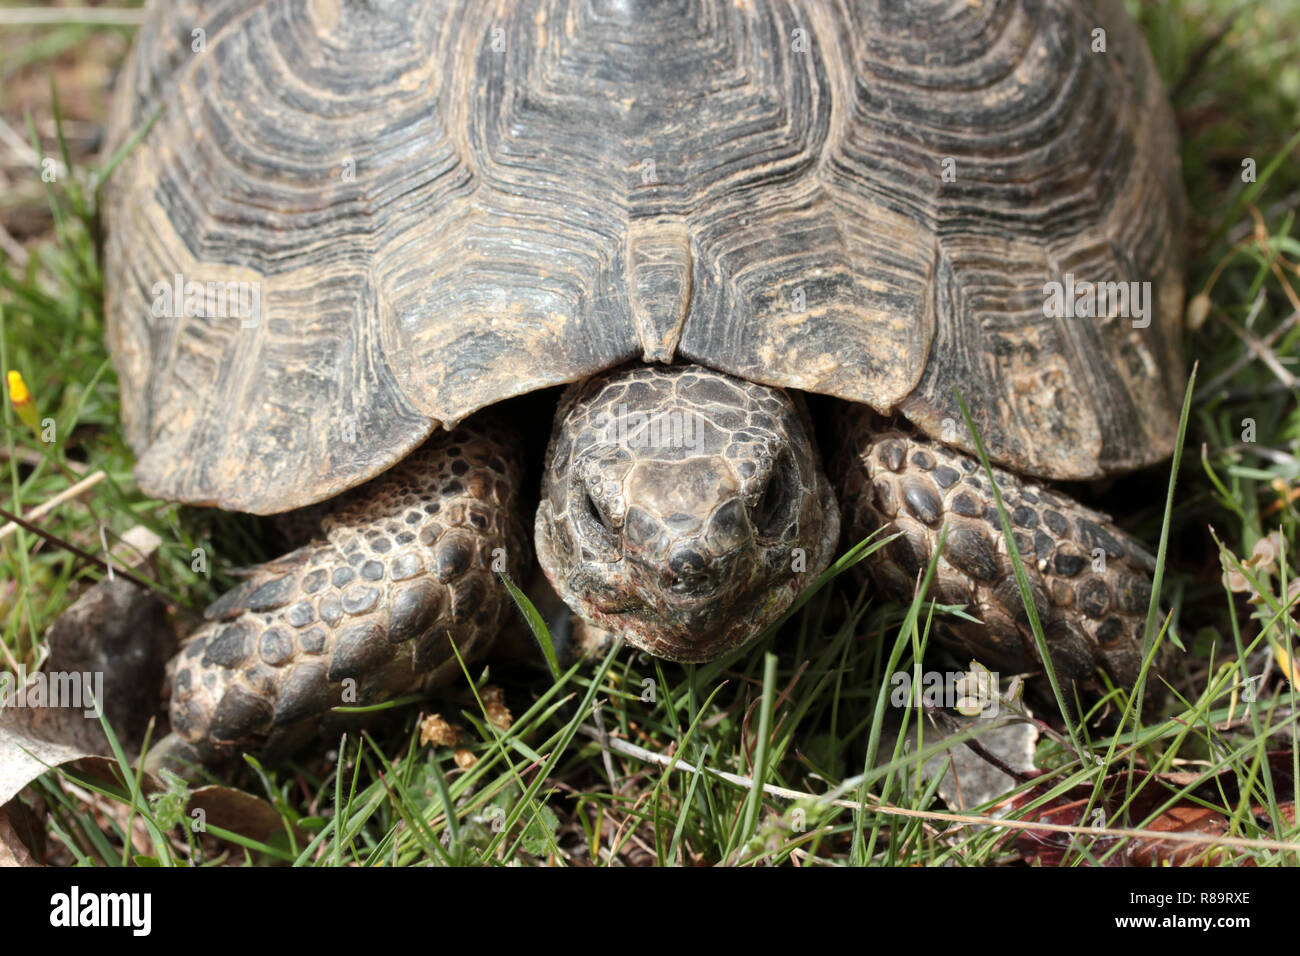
<point x="45" y="507"/>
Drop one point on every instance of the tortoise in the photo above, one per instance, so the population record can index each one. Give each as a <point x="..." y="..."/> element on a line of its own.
<point x="348" y="237"/>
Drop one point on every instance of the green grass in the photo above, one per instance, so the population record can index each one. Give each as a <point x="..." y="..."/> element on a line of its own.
<point x="592" y="773"/>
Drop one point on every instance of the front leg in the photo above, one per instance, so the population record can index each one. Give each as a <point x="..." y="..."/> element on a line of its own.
<point x="368" y="611"/>
<point x="1090" y="581"/>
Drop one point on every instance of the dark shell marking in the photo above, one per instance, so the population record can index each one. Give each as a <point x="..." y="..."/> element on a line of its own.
<point x="1092" y="618"/>
<point x="307" y="621"/>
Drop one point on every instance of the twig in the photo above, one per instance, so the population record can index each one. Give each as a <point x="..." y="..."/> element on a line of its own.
<point x="1249" y="843"/>
<point x="62" y="16"/>
<point x="29" y="456"/>
<point x="1265" y="354"/>
<point x="602" y="736"/>
<point x="1202" y="52"/>
<point x="99" y="562"/>
<point x="1214" y="384"/>
<point x="13" y="248"/>
<point x="26" y="155"/>
<point x="1252" y="392"/>
<point x="67" y="494"/>
<point x="1019" y="776"/>
<point x="1269" y="454"/>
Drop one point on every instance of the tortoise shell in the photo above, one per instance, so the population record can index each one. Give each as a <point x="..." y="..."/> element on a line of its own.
<point x="421" y="208"/>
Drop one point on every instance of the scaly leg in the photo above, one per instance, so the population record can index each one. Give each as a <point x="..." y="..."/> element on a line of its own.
<point x="1090" y="581"/>
<point x="368" y="611"/>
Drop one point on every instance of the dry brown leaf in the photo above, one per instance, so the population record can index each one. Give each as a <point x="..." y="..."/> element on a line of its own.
<point x="1151" y="791"/>
<point x="113" y="642"/>
<point x="239" y="812"/>
<point x="13" y="851"/>
<point x="119" y="630"/>
<point x="34" y="740"/>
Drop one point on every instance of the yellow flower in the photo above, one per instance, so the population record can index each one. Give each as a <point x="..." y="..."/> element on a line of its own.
<point x="21" y="399"/>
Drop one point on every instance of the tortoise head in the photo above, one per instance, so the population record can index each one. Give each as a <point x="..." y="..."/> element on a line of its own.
<point x="681" y="508"/>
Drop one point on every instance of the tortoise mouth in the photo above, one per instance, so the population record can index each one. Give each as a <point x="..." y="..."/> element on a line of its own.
<point x="688" y="592"/>
<point x="616" y="604"/>
<point x="654" y="637"/>
<point x="681" y="596"/>
<point x="729" y="572"/>
<point x="690" y="628"/>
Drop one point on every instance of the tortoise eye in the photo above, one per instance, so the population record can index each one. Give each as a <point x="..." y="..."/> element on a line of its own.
<point x="595" y="523"/>
<point x="596" y="514"/>
<point x="772" y="510"/>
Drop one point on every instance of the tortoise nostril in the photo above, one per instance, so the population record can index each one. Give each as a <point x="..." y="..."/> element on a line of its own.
<point x="689" y="571"/>
<point x="686" y="561"/>
<point x="728" y="529"/>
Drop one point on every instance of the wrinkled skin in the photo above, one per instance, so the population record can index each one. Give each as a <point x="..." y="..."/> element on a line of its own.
<point x="683" y="509"/>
